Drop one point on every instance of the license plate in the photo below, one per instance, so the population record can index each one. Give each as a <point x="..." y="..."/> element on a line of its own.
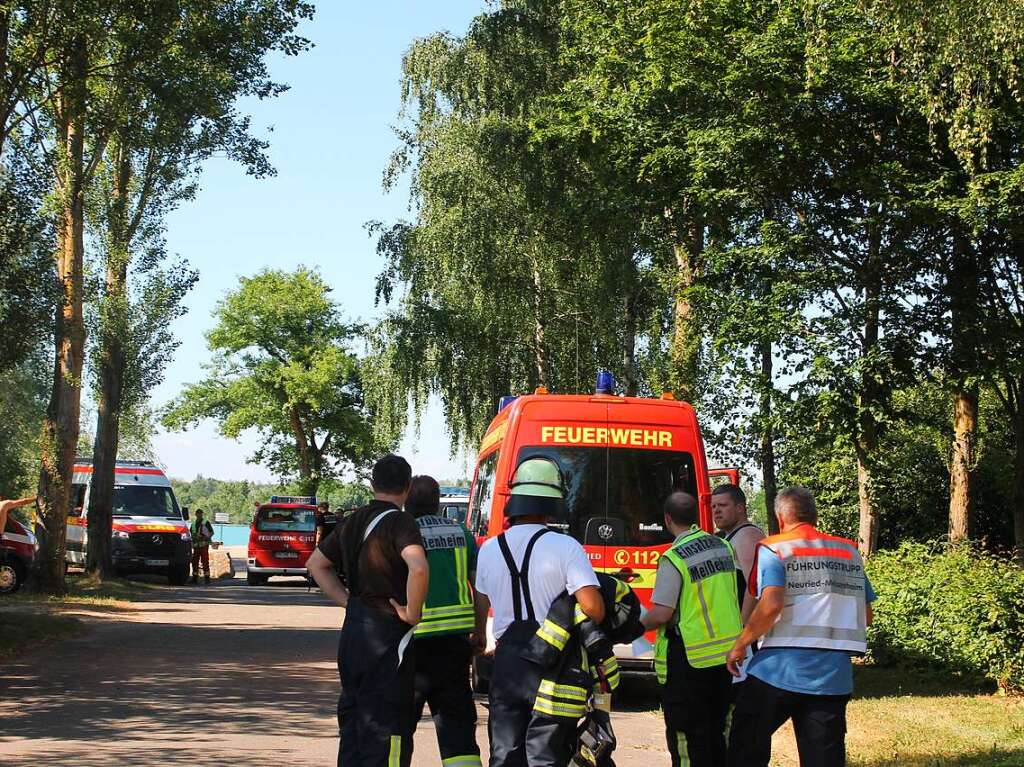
<point x="286" y="554"/>
<point x="157" y="562"/>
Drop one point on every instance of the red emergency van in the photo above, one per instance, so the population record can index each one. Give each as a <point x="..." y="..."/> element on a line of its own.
<point x="281" y="538"/>
<point x="620" y="458"/>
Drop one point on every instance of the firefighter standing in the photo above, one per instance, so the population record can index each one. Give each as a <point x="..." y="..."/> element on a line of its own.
<point x="813" y="612"/>
<point x="202" y="534"/>
<point x="443" y="637"/>
<point x="695" y="607"/>
<point x="519" y="575"/>
<point x="379" y="553"/>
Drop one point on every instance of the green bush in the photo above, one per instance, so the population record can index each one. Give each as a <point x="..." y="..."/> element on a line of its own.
<point x="953" y="606"/>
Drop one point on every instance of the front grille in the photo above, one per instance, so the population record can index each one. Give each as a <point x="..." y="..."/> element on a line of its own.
<point x="152" y="544"/>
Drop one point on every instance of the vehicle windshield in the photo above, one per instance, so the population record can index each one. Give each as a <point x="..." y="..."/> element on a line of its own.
<point x="288" y="520"/>
<point x="614" y="495"/>
<point x="145" y="501"/>
<point x="454" y="510"/>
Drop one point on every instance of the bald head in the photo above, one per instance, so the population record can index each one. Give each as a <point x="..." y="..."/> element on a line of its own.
<point x="681" y="509"/>
<point x="795" y="506"/>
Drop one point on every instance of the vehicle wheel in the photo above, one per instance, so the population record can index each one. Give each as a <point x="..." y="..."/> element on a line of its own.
<point x="12" y="575"/>
<point x="255" y="580"/>
<point x="177" y="575"/>
<point x="481" y="684"/>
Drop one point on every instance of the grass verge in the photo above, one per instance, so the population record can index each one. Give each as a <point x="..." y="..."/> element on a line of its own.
<point x="28" y="630"/>
<point x="86" y="591"/>
<point x="909" y="718"/>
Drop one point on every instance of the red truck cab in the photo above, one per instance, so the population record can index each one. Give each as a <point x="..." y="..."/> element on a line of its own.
<point x="281" y="538"/>
<point x="17" y="550"/>
<point x="620" y="458"/>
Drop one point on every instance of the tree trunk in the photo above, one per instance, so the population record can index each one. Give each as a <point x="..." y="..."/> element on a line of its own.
<point x="869" y="397"/>
<point x="539" y="328"/>
<point x="962" y="465"/>
<point x="60" y="426"/>
<point x="963" y="289"/>
<point x="768" y="478"/>
<point x="629" y="376"/>
<point x="685" y="348"/>
<point x="111" y="376"/>
<point x="302" y="448"/>
<point x="1016" y="395"/>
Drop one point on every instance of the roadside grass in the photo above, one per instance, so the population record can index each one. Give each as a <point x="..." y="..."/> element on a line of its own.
<point x="913" y="718"/>
<point x="86" y="591"/>
<point x="29" y="630"/>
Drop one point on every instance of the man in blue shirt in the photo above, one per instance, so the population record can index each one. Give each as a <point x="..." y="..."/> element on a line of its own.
<point x="813" y="610"/>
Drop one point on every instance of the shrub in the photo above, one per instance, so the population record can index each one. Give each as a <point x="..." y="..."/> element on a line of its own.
<point x="953" y="606"/>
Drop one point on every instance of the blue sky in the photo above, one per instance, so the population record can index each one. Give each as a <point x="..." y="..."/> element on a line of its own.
<point x="331" y="135"/>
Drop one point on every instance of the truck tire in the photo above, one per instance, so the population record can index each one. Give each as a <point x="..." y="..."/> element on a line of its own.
<point x="12" y="575"/>
<point x="177" y="575"/>
<point x="255" y="580"/>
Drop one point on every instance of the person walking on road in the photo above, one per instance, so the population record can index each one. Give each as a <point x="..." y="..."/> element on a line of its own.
<point x="448" y="634"/>
<point x="202" y="534"/>
<point x="519" y="574"/>
<point x="375" y="567"/>
<point x="696" y="609"/>
<point x="813" y="611"/>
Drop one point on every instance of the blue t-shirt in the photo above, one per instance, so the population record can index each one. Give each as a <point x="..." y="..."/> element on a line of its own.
<point x="817" y="672"/>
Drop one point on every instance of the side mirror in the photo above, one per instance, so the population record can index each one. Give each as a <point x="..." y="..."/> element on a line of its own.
<point x="184" y="512"/>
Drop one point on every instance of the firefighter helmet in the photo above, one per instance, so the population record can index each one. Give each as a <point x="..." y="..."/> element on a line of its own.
<point x="536" y="489"/>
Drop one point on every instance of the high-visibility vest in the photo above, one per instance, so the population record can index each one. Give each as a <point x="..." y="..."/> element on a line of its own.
<point x="826" y="599"/>
<point x="708" y="614"/>
<point x="449" y="605"/>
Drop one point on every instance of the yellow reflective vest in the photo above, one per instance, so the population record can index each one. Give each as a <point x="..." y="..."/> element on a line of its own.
<point x="707" y="617"/>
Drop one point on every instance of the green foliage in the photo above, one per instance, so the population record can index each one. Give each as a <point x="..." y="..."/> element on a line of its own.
<point x="281" y="365"/>
<point x="955" y="606"/>
<point x="236" y="498"/>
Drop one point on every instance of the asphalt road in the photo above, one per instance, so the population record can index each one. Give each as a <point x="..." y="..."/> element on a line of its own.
<point x="225" y="675"/>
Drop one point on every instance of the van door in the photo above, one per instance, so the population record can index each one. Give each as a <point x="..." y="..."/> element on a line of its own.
<point x="77" y="525"/>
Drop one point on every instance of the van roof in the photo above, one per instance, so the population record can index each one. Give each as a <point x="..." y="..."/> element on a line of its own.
<point x="583" y="407"/>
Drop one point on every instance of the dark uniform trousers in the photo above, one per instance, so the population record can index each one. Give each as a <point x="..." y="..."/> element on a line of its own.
<point x="819" y="722"/>
<point x="376" y="664"/>
<point x="520" y="737"/>
<point x="442" y="683"/>
<point x="696" y="703"/>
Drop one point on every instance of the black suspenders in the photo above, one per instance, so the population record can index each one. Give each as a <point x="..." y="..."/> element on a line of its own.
<point x="520" y="579"/>
<point x="729" y="537"/>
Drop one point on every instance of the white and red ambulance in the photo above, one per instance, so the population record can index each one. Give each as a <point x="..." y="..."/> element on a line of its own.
<point x="281" y="538"/>
<point x="150" y="531"/>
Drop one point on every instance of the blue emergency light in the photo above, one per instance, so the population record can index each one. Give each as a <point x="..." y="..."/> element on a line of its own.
<point x="605" y="382"/>
<point x="505" y="401"/>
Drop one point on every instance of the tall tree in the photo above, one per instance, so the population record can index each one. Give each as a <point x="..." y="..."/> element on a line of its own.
<point x="281" y="365"/>
<point x="959" y="65"/>
<point x="182" y="113"/>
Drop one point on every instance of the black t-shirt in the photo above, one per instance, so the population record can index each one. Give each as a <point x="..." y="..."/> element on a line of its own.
<point x="381" y="574"/>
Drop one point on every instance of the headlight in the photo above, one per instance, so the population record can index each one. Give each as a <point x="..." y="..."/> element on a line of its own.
<point x="121" y="534"/>
<point x="186" y="536"/>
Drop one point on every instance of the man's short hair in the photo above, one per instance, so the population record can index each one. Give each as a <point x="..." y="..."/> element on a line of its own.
<point x="736" y="495"/>
<point x="391" y="474"/>
<point x="199" y="511"/>
<point x="796" y="504"/>
<point x="682" y="509"/>
<point x="424" y="496"/>
<point x="323" y="505"/>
